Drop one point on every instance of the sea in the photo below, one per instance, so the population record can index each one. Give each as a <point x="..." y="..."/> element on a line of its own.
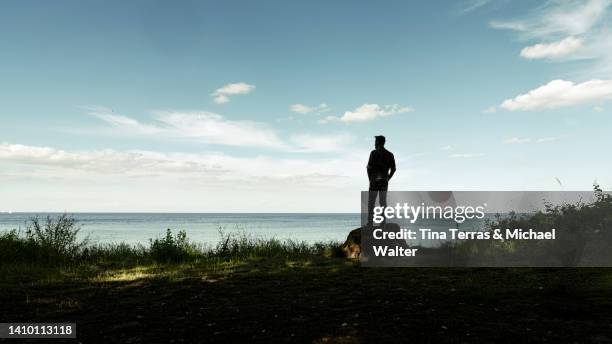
<point x="205" y="228"/>
<point x="201" y="228"/>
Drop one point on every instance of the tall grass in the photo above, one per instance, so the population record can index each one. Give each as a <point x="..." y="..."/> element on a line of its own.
<point x="54" y="242"/>
<point x="242" y="246"/>
<point x="49" y="240"/>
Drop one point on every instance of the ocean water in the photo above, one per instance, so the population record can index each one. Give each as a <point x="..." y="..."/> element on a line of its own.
<point x="137" y="228"/>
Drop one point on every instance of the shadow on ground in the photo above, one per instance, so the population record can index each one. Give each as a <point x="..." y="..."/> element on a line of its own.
<point x="322" y="300"/>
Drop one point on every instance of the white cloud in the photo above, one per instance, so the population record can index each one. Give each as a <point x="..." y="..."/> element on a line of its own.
<point x="212" y="128"/>
<point x="560" y="93"/>
<point x="368" y="112"/>
<point x="318" y="143"/>
<point x="328" y="119"/>
<point x="305" y="109"/>
<point x="221" y="99"/>
<point x="491" y="109"/>
<point x="546" y="139"/>
<point x="508" y="25"/>
<point x="124" y="122"/>
<point x="202" y="126"/>
<point x="515" y="140"/>
<point x="222" y="95"/>
<point x="446" y="148"/>
<point x="106" y="161"/>
<point x="519" y="140"/>
<point x="598" y="109"/>
<point x="416" y="155"/>
<point x="556" y="18"/>
<point x="562" y="30"/>
<point x="552" y="50"/>
<point x="466" y="155"/>
<point x="471" y="5"/>
<point x="218" y="166"/>
<point x="46" y="178"/>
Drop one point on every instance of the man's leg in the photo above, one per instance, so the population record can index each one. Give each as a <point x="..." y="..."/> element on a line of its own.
<point x="382" y="199"/>
<point x="371" y="202"/>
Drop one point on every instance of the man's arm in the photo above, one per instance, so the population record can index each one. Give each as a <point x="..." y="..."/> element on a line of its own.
<point x="369" y="167"/>
<point x="392" y="166"/>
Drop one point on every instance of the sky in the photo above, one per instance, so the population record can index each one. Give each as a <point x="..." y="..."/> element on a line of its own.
<point x="271" y="106"/>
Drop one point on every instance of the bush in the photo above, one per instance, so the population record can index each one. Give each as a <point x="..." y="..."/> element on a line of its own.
<point x="12" y="247"/>
<point x="172" y="248"/>
<point x="56" y="236"/>
<point x="50" y="242"/>
<point x="54" y="242"/>
<point x="581" y="222"/>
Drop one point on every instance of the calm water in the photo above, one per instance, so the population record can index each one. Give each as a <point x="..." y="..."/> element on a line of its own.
<point x="202" y="228"/>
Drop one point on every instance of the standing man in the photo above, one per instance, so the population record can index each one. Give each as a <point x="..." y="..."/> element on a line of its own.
<point x="381" y="167"/>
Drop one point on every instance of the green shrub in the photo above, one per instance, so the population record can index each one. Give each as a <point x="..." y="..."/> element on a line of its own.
<point x="50" y="242"/>
<point x="581" y="219"/>
<point x="56" y="237"/>
<point x="12" y="247"/>
<point x="54" y="241"/>
<point x="581" y="222"/>
<point x="172" y="248"/>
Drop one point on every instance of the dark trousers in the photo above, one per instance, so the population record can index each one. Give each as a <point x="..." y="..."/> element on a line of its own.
<point x="377" y="188"/>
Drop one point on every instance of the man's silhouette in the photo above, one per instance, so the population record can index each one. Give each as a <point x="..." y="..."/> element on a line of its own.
<point x="381" y="167"/>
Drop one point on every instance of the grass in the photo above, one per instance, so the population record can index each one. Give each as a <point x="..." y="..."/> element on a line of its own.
<point x="247" y="289"/>
<point x="310" y="299"/>
<point x="53" y="243"/>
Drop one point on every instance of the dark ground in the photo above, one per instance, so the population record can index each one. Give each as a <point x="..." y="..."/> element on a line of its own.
<point x="319" y="300"/>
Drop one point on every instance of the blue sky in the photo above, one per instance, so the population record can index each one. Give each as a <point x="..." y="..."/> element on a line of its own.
<point x="272" y="106"/>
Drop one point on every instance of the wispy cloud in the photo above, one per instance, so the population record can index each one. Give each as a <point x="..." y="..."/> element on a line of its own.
<point x="222" y="94"/>
<point x="211" y="128"/>
<point x="561" y="30"/>
<point x="560" y="93"/>
<point x="106" y="161"/>
<point x="203" y="126"/>
<point x="516" y="140"/>
<point x="416" y="155"/>
<point x="565" y="30"/>
<point x="520" y="140"/>
<point x="57" y="163"/>
<point x="368" y="112"/>
<point x="546" y="139"/>
<point x="123" y="122"/>
<point x="558" y="19"/>
<point x="318" y="143"/>
<point x="465" y="155"/>
<point x="554" y="50"/>
<point x="305" y="109"/>
<point x="215" y="129"/>
<point x="53" y="179"/>
<point x="472" y="5"/>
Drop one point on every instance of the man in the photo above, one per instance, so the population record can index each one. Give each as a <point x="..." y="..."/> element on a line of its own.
<point x="381" y="167"/>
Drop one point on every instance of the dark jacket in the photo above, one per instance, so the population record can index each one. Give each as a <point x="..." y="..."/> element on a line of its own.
<point x="379" y="164"/>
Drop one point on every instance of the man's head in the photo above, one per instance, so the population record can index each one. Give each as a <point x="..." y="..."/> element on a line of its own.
<point x="379" y="141"/>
